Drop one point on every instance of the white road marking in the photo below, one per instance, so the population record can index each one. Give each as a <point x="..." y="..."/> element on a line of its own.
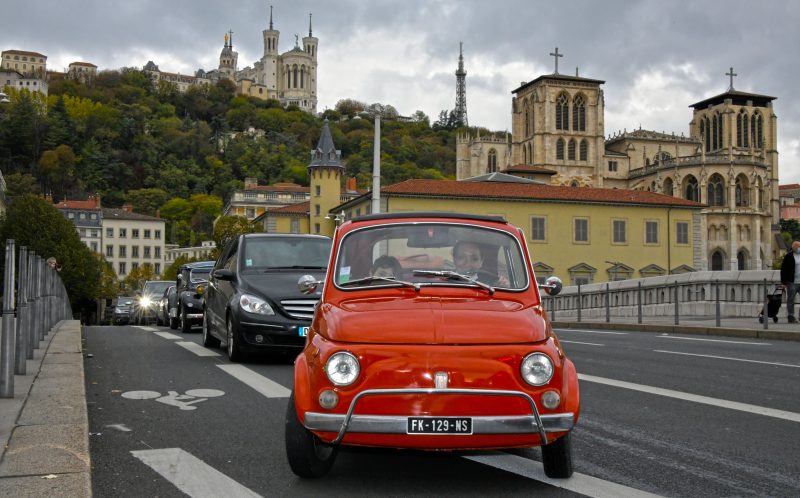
<point x="585" y="343"/>
<point x="263" y="385"/>
<point x="167" y="335"/>
<point x="592" y="331"/>
<point x="727" y="358"/>
<point x="578" y="483"/>
<point x="192" y="475"/>
<point x="120" y="427"/>
<point x="713" y="340"/>
<point x="196" y="348"/>
<point x="142" y="327"/>
<point x="733" y="405"/>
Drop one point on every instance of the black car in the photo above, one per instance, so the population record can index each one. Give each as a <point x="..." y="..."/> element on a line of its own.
<point x="162" y="313"/>
<point x="253" y="302"/>
<point x="145" y="306"/>
<point x="186" y="309"/>
<point x="122" y="310"/>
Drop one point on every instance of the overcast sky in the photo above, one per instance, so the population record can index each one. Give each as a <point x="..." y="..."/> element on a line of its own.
<point x="656" y="57"/>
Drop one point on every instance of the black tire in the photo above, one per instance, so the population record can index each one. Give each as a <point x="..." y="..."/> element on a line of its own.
<point x="308" y="456"/>
<point x="186" y="325"/>
<point x="209" y="340"/>
<point x="234" y="351"/>
<point x="775" y="318"/>
<point x="557" y="457"/>
<point x="174" y="323"/>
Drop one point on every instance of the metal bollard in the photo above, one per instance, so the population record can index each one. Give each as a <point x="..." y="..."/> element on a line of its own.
<point x="21" y="353"/>
<point x="608" y="305"/>
<point x="716" y="287"/>
<point x="579" y="303"/>
<point x="676" y="302"/>
<point x="42" y="296"/>
<point x="7" y="347"/>
<point x="639" y="301"/>
<point x="766" y="307"/>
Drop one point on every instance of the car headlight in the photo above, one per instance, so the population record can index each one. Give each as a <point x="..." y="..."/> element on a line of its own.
<point x="342" y="368"/>
<point x="146" y="302"/>
<point x="537" y="369"/>
<point x="255" y="305"/>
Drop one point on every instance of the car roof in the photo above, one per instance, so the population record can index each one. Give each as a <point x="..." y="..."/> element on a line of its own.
<point x="283" y="236"/>
<point x="430" y="214"/>
<point x="198" y="264"/>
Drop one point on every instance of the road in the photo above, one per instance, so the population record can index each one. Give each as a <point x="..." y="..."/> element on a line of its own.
<point x="666" y="415"/>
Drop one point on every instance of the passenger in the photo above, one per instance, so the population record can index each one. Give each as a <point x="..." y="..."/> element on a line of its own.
<point x="468" y="260"/>
<point x="386" y="266"/>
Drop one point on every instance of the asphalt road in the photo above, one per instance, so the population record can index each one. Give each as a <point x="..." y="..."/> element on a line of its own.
<point x="660" y="414"/>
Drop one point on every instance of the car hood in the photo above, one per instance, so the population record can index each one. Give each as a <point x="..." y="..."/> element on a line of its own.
<point x="279" y="284"/>
<point x="422" y="320"/>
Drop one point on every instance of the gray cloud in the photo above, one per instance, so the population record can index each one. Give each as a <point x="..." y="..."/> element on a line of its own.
<point x="657" y="58"/>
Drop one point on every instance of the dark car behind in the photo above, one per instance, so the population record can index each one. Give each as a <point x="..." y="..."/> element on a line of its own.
<point x="186" y="309"/>
<point x="145" y="306"/>
<point x="253" y="302"/>
<point x="122" y="310"/>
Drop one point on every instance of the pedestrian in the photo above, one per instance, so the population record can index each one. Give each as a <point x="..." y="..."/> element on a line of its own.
<point x="52" y="263"/>
<point x="790" y="278"/>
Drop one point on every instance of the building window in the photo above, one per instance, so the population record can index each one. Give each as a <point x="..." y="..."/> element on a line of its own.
<point x="618" y="232"/>
<point x="71" y="216"/>
<point x="134" y="265"/>
<point x="316" y="209"/>
<point x="560" y="149"/>
<point x="158" y="252"/>
<point x="134" y="251"/>
<point x="491" y="165"/>
<point x="123" y="251"/>
<point x="250" y="213"/>
<point x="581" y="230"/>
<point x="109" y="251"/>
<point x="158" y="234"/>
<point x="756" y="130"/>
<point x="147" y="234"/>
<point x="121" y="268"/>
<point x="651" y="232"/>
<point x="94" y="246"/>
<point x="612" y="166"/>
<point x="158" y="268"/>
<point x="95" y="232"/>
<point x="539" y="228"/>
<point x="692" y="189"/>
<point x="562" y="112"/>
<point x="123" y="232"/>
<point x="578" y="114"/>
<point x="135" y="233"/>
<point x="317" y="190"/>
<point x="147" y="252"/>
<point x="716" y="191"/>
<point x="682" y="232"/>
<point x="742" y="132"/>
<point x="584" y="151"/>
<point x="295" y="225"/>
<point x="571" y="149"/>
<point x="316" y="228"/>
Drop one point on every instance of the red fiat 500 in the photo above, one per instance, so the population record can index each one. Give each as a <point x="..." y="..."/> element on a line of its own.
<point x="431" y="335"/>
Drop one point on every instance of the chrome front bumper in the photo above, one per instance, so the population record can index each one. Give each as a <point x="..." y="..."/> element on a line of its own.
<point x="397" y="424"/>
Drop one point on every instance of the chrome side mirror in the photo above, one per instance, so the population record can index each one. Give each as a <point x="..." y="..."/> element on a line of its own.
<point x="308" y="284"/>
<point x="552" y="286"/>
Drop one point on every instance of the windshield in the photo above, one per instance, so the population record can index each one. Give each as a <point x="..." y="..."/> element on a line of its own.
<point x="156" y="288"/>
<point x="431" y="254"/>
<point x="123" y="302"/>
<point x="264" y="253"/>
<point x="198" y="274"/>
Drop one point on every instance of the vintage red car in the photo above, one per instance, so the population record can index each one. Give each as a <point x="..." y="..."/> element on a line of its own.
<point x="404" y="354"/>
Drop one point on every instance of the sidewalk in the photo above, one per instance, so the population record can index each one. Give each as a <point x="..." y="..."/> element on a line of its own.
<point x="44" y="428"/>
<point x="693" y="325"/>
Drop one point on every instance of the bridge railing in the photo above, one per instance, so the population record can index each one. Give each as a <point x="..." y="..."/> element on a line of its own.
<point x="34" y="301"/>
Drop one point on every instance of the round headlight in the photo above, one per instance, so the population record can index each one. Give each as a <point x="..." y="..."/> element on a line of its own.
<point x="146" y="302"/>
<point x="342" y="368"/>
<point x="537" y="369"/>
<point x="256" y="305"/>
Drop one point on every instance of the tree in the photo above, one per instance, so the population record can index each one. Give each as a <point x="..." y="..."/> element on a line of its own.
<point x="230" y="227"/>
<point x="147" y="200"/>
<point x="20" y="184"/>
<point x="792" y="227"/>
<point x="137" y="277"/>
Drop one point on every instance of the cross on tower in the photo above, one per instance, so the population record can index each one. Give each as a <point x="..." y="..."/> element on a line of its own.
<point x="556" y="55"/>
<point x="231" y="38"/>
<point x="731" y="74"/>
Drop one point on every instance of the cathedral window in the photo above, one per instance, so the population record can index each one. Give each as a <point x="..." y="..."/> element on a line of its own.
<point x="491" y="165"/>
<point x="714" y="133"/>
<point x="756" y="130"/>
<point x="716" y="191"/>
<point x="719" y="131"/>
<point x="579" y="114"/>
<point x="584" y="151"/>
<point x="571" y="149"/>
<point x="706" y="125"/>
<point x="742" y="134"/>
<point x="742" y="191"/>
<point x="527" y="122"/>
<point x="302" y="77"/>
<point x="560" y="148"/>
<point x="294" y="69"/>
<point x="667" y="187"/>
<point x="562" y="112"/>
<point x="692" y="189"/>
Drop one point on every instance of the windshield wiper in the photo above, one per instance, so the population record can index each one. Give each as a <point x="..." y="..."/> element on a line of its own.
<point x="451" y="275"/>
<point x="369" y="280"/>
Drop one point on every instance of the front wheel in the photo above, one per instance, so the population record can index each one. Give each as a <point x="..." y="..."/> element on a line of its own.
<point x="186" y="325"/>
<point x="234" y="351"/>
<point x="557" y="457"/>
<point x="209" y="340"/>
<point x="308" y="456"/>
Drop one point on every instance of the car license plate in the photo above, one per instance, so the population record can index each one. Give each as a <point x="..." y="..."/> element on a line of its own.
<point x="302" y="331"/>
<point x="439" y="425"/>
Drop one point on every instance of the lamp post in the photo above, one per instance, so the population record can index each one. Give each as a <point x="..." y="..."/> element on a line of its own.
<point x="4" y="98"/>
<point x="338" y="219"/>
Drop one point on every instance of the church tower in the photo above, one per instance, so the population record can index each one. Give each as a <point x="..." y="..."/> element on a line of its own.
<point x="325" y="174"/>
<point x="310" y="45"/>
<point x="269" y="61"/>
<point x="228" y="58"/>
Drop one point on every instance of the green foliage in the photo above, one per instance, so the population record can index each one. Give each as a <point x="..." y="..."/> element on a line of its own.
<point x="792" y="228"/>
<point x="38" y="225"/>
<point x="171" y="271"/>
<point x="137" y="277"/>
<point x="230" y="227"/>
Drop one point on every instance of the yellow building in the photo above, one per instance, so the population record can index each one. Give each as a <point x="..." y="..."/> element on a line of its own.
<point x="582" y="235"/>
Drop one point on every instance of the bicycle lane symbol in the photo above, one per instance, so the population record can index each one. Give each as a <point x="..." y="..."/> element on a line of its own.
<point x="172" y="398"/>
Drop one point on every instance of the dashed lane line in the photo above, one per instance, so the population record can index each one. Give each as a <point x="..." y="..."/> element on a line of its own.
<point x="196" y="348"/>
<point x="142" y="327"/>
<point x="722" y="403"/>
<point x="578" y="483"/>
<point x="261" y="384"/>
<point x="591" y="331"/>
<point x="728" y="358"/>
<point x="713" y="340"/>
<point x="584" y="343"/>
<point x="192" y="475"/>
<point x="167" y="335"/>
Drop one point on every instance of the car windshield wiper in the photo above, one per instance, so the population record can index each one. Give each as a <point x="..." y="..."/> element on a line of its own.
<point x="296" y="267"/>
<point x="452" y="275"/>
<point x="390" y="280"/>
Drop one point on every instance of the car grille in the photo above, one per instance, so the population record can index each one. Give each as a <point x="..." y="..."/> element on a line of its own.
<point x="300" y="308"/>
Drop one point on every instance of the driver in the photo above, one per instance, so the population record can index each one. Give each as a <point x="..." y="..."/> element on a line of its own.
<point x="386" y="266"/>
<point x="468" y="260"/>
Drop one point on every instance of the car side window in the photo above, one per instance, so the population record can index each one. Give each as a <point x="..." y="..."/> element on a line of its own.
<point x="230" y="262"/>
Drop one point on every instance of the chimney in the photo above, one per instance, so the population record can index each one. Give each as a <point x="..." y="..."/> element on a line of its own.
<point x="127" y="208"/>
<point x="250" y="182"/>
<point x="351" y="184"/>
<point x="158" y="213"/>
<point x="97" y="201"/>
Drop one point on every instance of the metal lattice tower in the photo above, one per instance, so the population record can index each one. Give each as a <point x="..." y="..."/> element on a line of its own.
<point x="461" y="89"/>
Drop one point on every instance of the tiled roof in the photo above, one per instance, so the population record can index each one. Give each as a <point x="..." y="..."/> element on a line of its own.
<point x="528" y="168"/>
<point x="789" y="186"/>
<point x="121" y="214"/>
<point x="85" y="64"/>
<point x="90" y="204"/>
<point x="561" y="77"/>
<point x="736" y="97"/>
<point x="299" y="208"/>
<point x="533" y="192"/>
<point x="24" y="52"/>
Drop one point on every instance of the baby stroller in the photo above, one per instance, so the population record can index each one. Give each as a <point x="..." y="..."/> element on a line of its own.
<point x="773" y="305"/>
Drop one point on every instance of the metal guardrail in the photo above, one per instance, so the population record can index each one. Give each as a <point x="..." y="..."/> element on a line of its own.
<point x="34" y="301"/>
